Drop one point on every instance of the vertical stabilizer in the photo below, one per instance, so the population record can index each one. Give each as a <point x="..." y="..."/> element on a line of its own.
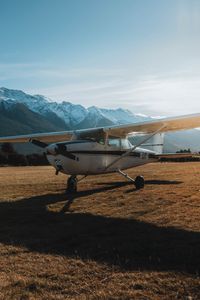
<point x="154" y="144"/>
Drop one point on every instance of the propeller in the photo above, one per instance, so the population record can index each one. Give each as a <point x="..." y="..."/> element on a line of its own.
<point x="55" y="149"/>
<point x="62" y="149"/>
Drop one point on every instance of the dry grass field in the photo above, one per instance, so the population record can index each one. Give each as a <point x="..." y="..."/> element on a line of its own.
<point x="108" y="241"/>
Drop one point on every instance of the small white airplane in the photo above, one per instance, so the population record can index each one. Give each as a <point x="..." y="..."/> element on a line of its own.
<point x="106" y="149"/>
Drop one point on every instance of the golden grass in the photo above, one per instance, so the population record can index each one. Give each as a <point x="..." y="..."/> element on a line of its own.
<point x="108" y="241"/>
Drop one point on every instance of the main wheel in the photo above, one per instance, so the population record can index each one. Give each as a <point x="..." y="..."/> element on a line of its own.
<point x="139" y="182"/>
<point x="72" y="184"/>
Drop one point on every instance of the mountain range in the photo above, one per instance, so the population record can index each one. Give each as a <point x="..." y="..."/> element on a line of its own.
<point x="21" y="113"/>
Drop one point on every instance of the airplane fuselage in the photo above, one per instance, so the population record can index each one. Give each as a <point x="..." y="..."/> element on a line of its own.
<point x="85" y="157"/>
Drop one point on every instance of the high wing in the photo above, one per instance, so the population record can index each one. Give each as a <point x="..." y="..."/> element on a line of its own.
<point x="161" y="125"/>
<point x="43" y="137"/>
<point x="51" y="137"/>
<point x="150" y="127"/>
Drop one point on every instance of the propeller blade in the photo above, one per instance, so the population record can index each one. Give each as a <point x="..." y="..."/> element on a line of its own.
<point x="39" y="143"/>
<point x="61" y="149"/>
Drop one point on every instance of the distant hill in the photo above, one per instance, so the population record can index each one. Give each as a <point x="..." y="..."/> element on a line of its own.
<point x="21" y="113"/>
<point x="19" y="119"/>
<point x="183" y="140"/>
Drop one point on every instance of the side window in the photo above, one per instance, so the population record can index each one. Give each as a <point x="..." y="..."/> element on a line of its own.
<point x="114" y="143"/>
<point x="101" y="141"/>
<point x="125" y="144"/>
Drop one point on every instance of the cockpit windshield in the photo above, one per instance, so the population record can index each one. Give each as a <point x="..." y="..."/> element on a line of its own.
<point x="94" y="135"/>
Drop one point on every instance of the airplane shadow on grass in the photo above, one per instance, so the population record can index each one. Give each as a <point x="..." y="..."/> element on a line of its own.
<point x="126" y="243"/>
<point x="158" y="182"/>
<point x="147" y="182"/>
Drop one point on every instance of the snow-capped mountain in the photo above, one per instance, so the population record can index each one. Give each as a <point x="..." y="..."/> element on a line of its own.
<point x="21" y="113"/>
<point x="71" y="114"/>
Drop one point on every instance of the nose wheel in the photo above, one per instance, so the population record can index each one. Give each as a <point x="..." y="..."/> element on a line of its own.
<point x="72" y="184"/>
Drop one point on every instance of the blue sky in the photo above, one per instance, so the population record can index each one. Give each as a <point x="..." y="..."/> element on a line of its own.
<point x="137" y="54"/>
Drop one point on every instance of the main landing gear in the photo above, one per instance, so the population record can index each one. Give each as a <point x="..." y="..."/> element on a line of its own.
<point x="139" y="180"/>
<point x="73" y="181"/>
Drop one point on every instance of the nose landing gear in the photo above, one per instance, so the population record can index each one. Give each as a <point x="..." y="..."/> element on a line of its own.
<point x="72" y="184"/>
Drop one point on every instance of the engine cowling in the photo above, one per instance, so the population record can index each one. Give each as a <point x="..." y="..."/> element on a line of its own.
<point x="52" y="149"/>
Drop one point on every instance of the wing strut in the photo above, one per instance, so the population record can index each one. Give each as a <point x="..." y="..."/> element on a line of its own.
<point x="134" y="147"/>
<point x="125" y="175"/>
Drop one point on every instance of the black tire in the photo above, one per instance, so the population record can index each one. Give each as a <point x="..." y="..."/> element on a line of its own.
<point x="139" y="182"/>
<point x="72" y="184"/>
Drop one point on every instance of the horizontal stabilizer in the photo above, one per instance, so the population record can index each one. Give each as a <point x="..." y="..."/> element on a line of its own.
<point x="178" y="155"/>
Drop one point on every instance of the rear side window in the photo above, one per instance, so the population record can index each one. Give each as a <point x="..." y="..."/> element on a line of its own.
<point x="125" y="144"/>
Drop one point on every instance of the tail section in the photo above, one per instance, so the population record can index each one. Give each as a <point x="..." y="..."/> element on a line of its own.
<point x="155" y="144"/>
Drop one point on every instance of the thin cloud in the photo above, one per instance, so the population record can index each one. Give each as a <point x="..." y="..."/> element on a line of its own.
<point x="46" y="71"/>
<point x="156" y="94"/>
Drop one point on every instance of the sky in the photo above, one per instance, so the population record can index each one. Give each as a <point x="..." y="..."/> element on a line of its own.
<point x="142" y="55"/>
